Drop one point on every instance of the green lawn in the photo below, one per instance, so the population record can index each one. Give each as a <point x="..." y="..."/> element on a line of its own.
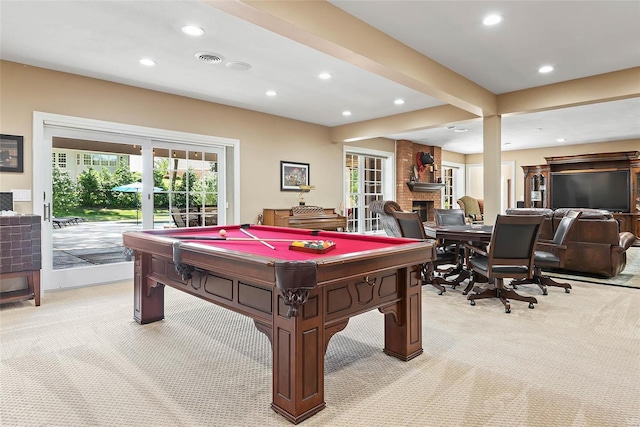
<point x="94" y="214"/>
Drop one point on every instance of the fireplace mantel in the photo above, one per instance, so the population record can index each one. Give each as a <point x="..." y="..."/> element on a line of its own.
<point x="425" y="187"/>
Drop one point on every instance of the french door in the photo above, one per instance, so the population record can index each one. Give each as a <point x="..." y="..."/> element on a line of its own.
<point x="368" y="176"/>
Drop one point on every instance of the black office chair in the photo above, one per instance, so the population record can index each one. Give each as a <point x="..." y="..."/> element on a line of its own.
<point x="551" y="254"/>
<point x="450" y="217"/>
<point x="411" y="226"/>
<point x="510" y="254"/>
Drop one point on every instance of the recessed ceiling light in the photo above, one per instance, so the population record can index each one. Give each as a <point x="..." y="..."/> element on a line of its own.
<point x="271" y="93"/>
<point x="346" y="113"/>
<point x="192" y="30"/>
<point x="461" y="130"/>
<point x="399" y="101"/>
<point x="451" y="127"/>
<point x="237" y="66"/>
<point x="147" y="61"/>
<point x="537" y="129"/>
<point x="561" y="139"/>
<point x="324" y="76"/>
<point x="545" y="69"/>
<point x="507" y="143"/>
<point x="492" y="20"/>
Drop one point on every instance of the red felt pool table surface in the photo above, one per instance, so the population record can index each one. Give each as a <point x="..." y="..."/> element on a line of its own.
<point x="344" y="243"/>
<point x="298" y="299"/>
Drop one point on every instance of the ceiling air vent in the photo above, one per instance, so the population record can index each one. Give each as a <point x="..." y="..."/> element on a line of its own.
<point x="209" y="58"/>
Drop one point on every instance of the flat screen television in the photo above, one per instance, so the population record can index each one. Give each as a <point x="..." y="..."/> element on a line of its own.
<point x="608" y="190"/>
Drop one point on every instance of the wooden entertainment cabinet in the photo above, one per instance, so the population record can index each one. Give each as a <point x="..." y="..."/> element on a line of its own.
<point x="538" y="189"/>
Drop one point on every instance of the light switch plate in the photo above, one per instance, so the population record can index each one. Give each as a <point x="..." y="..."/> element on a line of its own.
<point x="21" y="195"/>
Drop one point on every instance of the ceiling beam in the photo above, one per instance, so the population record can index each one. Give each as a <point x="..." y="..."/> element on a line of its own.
<point x="406" y="122"/>
<point x="588" y="90"/>
<point x="326" y="28"/>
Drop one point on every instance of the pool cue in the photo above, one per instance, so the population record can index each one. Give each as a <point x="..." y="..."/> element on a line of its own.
<point x="242" y="239"/>
<point x="257" y="238"/>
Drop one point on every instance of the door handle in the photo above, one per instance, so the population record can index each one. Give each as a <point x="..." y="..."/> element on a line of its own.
<point x="47" y="212"/>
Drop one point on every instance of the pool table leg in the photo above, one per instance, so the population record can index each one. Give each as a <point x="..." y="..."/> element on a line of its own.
<point x="403" y="320"/>
<point x="298" y="359"/>
<point x="148" y="295"/>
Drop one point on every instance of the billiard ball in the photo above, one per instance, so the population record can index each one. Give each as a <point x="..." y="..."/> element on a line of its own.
<point x="223" y="232"/>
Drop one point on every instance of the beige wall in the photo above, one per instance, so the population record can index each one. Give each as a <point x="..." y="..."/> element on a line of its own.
<point x="264" y="139"/>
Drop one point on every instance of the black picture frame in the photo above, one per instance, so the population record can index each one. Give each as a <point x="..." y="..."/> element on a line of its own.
<point x="11" y="153"/>
<point x="293" y="175"/>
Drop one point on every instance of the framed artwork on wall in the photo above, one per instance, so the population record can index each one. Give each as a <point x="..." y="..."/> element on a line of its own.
<point x="293" y="175"/>
<point x="11" y="153"/>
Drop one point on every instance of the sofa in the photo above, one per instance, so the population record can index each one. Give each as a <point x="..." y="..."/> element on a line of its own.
<point x="596" y="245"/>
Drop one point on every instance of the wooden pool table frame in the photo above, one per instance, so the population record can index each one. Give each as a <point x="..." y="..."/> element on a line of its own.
<point x="387" y="279"/>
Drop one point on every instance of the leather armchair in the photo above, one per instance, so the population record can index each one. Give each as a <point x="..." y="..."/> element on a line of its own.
<point x="467" y="204"/>
<point x="385" y="209"/>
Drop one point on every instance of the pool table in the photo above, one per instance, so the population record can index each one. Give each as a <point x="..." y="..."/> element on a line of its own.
<point x="299" y="299"/>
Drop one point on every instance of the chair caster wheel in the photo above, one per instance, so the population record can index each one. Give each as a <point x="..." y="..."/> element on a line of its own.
<point x="545" y="292"/>
<point x="531" y="305"/>
<point x="567" y="290"/>
<point x="472" y="302"/>
<point x="507" y="310"/>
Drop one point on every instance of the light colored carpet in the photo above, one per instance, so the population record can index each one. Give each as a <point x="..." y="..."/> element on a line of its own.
<point x="80" y="360"/>
<point x="629" y="277"/>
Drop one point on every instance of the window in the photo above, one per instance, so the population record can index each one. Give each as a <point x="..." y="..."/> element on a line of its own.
<point x="448" y="200"/>
<point x="87" y="159"/>
<point x="62" y="160"/>
<point x="368" y="177"/>
<point x="59" y="160"/>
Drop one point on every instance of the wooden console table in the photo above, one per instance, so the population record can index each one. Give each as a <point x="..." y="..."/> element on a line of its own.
<point x="20" y="255"/>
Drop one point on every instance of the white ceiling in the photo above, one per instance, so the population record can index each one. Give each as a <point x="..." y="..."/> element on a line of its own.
<point x="105" y="39"/>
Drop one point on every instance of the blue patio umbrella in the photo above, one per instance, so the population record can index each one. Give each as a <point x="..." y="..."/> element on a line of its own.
<point x="134" y="187"/>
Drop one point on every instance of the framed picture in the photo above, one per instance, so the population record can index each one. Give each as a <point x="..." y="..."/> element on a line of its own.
<point x="293" y="175"/>
<point x="11" y="154"/>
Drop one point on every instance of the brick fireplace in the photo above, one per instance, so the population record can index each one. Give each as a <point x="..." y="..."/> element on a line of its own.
<point x="423" y="198"/>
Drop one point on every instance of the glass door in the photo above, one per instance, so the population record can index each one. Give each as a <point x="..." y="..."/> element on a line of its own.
<point x="367" y="178"/>
<point x="187" y="183"/>
<point x="83" y="240"/>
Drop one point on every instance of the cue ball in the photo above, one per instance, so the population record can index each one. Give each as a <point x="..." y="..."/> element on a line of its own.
<point x="223" y="232"/>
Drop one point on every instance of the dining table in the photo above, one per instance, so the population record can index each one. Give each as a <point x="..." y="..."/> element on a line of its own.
<point x="474" y="234"/>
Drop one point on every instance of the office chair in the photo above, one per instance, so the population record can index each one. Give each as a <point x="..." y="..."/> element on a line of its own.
<point x="510" y="254"/>
<point x="450" y="217"/>
<point x="411" y="226"/>
<point x="551" y="254"/>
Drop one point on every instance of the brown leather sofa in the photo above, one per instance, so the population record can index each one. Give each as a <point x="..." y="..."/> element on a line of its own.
<point x="595" y="246"/>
